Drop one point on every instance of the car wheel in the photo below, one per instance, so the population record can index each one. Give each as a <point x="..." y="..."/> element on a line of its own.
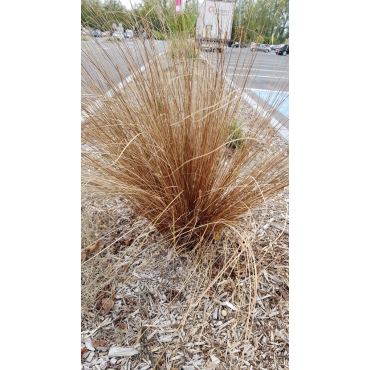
<point x="284" y="53"/>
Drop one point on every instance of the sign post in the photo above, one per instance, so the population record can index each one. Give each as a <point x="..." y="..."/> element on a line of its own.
<point x="178" y="6"/>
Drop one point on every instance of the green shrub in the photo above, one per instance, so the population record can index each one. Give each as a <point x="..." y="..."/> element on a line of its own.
<point x="236" y="135"/>
<point x="159" y="36"/>
<point x="260" y="39"/>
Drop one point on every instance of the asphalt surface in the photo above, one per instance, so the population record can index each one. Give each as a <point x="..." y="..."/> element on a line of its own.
<point x="267" y="82"/>
<point x="263" y="76"/>
<point x="109" y="54"/>
<point x="270" y="72"/>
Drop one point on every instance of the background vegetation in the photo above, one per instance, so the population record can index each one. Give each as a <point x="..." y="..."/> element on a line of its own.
<point x="266" y="19"/>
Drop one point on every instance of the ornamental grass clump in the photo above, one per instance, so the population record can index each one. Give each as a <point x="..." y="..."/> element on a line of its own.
<point x="158" y="139"/>
<point x="236" y="135"/>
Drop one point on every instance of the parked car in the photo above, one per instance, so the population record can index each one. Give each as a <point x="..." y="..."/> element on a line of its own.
<point x="106" y="33"/>
<point x="118" y="35"/>
<point x="129" y="34"/>
<point x="97" y="33"/>
<point x="272" y="47"/>
<point x="260" y="47"/>
<point x="284" y="50"/>
<point x="232" y="44"/>
<point x="278" y="47"/>
<point x="243" y="45"/>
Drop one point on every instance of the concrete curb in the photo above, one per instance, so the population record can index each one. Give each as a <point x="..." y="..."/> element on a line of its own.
<point x="283" y="131"/>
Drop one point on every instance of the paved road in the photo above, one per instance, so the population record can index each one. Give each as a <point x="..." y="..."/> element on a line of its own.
<point x="111" y="56"/>
<point x="269" y="71"/>
<point x="267" y="83"/>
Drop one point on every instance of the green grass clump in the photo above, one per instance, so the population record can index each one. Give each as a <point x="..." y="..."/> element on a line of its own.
<point x="236" y="135"/>
<point x="159" y="36"/>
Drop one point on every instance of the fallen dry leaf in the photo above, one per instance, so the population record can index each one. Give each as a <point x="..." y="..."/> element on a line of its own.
<point x="100" y="296"/>
<point x="83" y="257"/>
<point x="107" y="304"/>
<point x="100" y="224"/>
<point x="283" y="294"/>
<point x="115" y="248"/>
<point x="100" y="343"/>
<point x="214" y="272"/>
<point x="130" y="300"/>
<point x="128" y="242"/>
<point x="242" y="267"/>
<point x="94" y="247"/>
<point x="122" y="325"/>
<point x="83" y="351"/>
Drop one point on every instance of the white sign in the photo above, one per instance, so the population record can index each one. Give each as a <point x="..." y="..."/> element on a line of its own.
<point x="217" y="14"/>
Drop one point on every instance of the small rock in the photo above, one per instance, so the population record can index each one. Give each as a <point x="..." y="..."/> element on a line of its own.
<point x="113" y="360"/>
<point x="122" y="352"/>
<point x="223" y="313"/>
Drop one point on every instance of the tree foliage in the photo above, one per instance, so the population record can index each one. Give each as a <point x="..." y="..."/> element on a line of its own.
<point x="266" y="18"/>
